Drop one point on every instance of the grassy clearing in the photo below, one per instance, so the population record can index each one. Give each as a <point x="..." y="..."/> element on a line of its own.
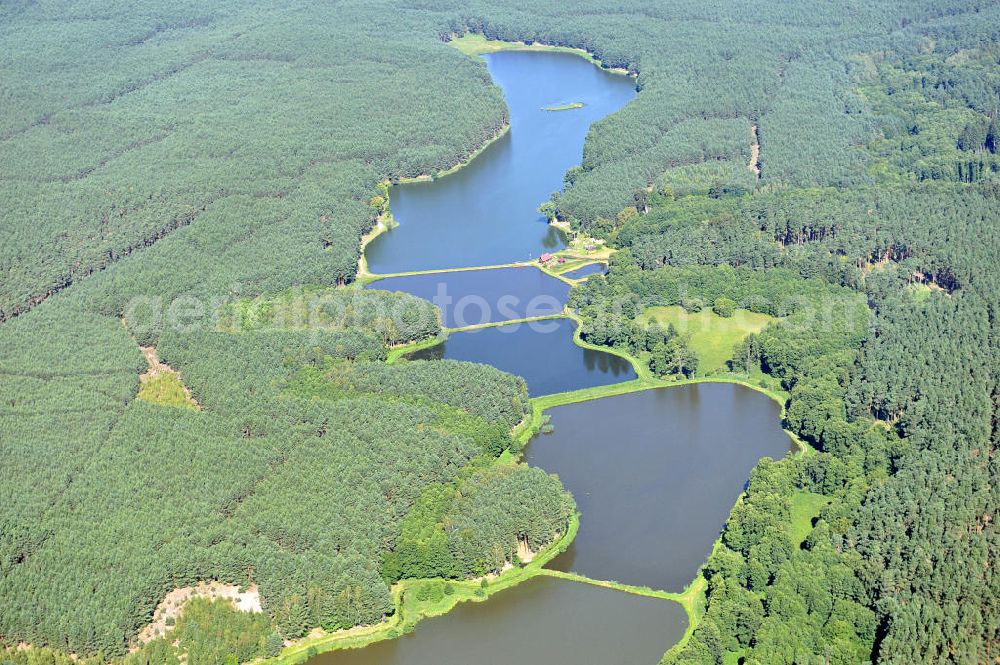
<point x="578" y="249"/>
<point x="569" y="266"/>
<point x="163" y="385"/>
<point x="166" y="387"/>
<point x="804" y="507"/>
<point x="732" y="657"/>
<point x="712" y="336"/>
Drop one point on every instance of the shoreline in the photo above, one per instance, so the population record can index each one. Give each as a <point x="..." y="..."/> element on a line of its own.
<point x="477" y="44"/>
<point x="405" y="618"/>
<point x="406" y="615"/>
<point x="431" y="177"/>
<point x="409" y="613"/>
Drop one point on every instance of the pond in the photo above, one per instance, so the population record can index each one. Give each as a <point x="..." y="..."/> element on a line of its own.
<point x="487" y="212"/>
<point x="472" y="297"/>
<point x="586" y="271"/>
<point x="655" y="475"/>
<point x="543" y="352"/>
<point x="543" y="621"/>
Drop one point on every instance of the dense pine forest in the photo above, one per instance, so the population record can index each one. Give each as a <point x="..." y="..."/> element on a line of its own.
<point x="185" y="175"/>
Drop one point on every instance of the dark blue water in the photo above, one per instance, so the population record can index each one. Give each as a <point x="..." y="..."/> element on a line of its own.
<point x="542" y="352"/>
<point x="655" y="475"/>
<point x="592" y="269"/>
<point x="487" y="212"/>
<point x="472" y="297"/>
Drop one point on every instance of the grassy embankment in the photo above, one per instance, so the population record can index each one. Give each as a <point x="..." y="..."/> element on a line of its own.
<point x="363" y="279"/>
<point x="692" y="598"/>
<point x="565" y="107"/>
<point x="396" y="353"/>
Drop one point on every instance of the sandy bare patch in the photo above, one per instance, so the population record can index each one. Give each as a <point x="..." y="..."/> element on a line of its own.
<point x="754" y="164"/>
<point x="170" y="607"/>
<point x="524" y="551"/>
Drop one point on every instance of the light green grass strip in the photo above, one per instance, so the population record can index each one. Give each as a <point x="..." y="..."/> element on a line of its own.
<point x="166" y="388"/>
<point x="510" y="322"/>
<point x="368" y="278"/>
<point x="804" y="506"/>
<point x="692" y="598"/>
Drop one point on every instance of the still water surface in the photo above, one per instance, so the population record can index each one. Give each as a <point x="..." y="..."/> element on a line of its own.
<point x="543" y="621"/>
<point x="543" y="352"/>
<point x="586" y="271"/>
<point x="487" y="212"/>
<point x="655" y="475"/>
<point x="472" y="297"/>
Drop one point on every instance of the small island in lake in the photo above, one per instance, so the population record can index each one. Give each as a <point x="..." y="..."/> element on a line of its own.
<point x="565" y="107"/>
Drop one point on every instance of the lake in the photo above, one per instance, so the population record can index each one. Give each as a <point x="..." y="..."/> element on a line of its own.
<point x="655" y="475"/>
<point x="543" y="621"/>
<point x="487" y="212"/>
<point x="472" y="297"/>
<point x="543" y="352"/>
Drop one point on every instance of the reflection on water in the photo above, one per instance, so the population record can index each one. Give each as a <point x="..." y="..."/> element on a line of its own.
<point x="655" y="475"/>
<point x="543" y="352"/>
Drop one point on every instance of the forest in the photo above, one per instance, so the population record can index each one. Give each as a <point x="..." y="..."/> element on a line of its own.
<point x="195" y="176"/>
